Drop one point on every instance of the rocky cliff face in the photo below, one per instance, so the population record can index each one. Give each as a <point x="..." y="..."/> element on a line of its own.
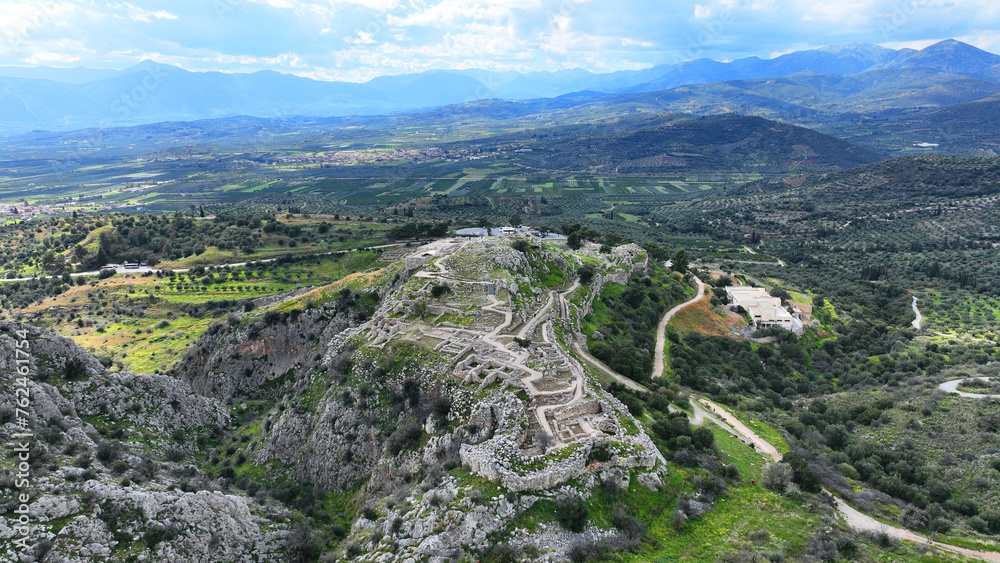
<point x="109" y="472"/>
<point x="245" y="360"/>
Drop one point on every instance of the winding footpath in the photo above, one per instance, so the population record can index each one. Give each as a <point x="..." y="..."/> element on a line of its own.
<point x="703" y="410"/>
<point x="854" y="518"/>
<point x="917" y="322"/>
<point x="661" y="330"/>
<point x="582" y="351"/>
<point x="760" y="444"/>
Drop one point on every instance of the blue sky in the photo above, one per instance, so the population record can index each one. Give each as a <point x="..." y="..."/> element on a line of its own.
<point x="356" y="40"/>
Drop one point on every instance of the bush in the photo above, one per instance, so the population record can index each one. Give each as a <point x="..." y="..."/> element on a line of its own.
<point x="441" y="408"/>
<point x="572" y="513"/>
<point x="108" y="451"/>
<point x="600" y="453"/>
<point x="158" y="534"/>
<point x="802" y="474"/>
<point x="521" y="245"/>
<point x="703" y="438"/>
<point x="777" y="477"/>
<point x="74" y="368"/>
<point x="504" y="552"/>
<point x="405" y="438"/>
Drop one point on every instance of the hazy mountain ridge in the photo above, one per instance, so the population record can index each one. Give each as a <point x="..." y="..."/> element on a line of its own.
<point x="65" y="99"/>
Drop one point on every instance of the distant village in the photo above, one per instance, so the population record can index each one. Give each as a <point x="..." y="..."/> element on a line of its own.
<point x="375" y="156"/>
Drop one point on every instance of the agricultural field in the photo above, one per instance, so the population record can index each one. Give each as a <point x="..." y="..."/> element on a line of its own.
<point x="145" y="322"/>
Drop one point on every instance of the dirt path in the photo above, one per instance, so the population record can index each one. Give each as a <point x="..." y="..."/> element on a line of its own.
<point x="532" y="324"/>
<point x="918" y="323"/>
<point x="144" y="269"/>
<point x="762" y="445"/>
<point x="585" y="354"/>
<point x="854" y="518"/>
<point x="599" y="365"/>
<point x="661" y="330"/>
<point x="863" y="522"/>
<point x="920" y="318"/>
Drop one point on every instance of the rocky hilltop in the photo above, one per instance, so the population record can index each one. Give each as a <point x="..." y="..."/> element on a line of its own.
<point x="413" y="413"/>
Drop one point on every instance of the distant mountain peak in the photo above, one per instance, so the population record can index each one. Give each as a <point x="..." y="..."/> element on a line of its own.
<point x="949" y="55"/>
<point x="866" y="48"/>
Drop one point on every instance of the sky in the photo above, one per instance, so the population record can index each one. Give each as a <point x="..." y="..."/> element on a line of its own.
<point x="356" y="40"/>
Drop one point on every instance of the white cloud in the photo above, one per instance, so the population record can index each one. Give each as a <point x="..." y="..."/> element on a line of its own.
<point x="843" y="12"/>
<point x="917" y="45"/>
<point x="22" y="23"/>
<point x="50" y="58"/>
<point x="362" y="38"/>
<point x="327" y="7"/>
<point x="450" y="12"/>
<point x="629" y="42"/>
<point x="135" y="13"/>
<point x="986" y="40"/>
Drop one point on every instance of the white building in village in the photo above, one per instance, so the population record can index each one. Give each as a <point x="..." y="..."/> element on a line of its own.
<point x="763" y="309"/>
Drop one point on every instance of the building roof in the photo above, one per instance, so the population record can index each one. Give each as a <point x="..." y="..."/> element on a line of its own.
<point x="762" y="307"/>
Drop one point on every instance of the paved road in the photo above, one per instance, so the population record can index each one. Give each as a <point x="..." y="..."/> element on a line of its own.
<point x="952" y="387"/>
<point x="661" y="330"/>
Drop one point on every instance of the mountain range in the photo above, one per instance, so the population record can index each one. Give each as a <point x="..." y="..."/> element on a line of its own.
<point x="803" y="83"/>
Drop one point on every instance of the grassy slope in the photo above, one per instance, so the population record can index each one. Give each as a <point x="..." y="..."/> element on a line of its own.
<point x="141" y="341"/>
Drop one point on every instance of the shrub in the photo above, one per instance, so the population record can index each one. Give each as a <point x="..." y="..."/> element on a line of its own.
<point x="802" y="474"/>
<point x="777" y="477"/>
<point x="504" y="552"/>
<point x="404" y="438"/>
<point x="703" y="438"/>
<point x="521" y="245"/>
<point x="441" y="408"/>
<point x="108" y="451"/>
<point x="600" y="453"/>
<point x="158" y="534"/>
<point x="74" y="368"/>
<point x="572" y="512"/>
